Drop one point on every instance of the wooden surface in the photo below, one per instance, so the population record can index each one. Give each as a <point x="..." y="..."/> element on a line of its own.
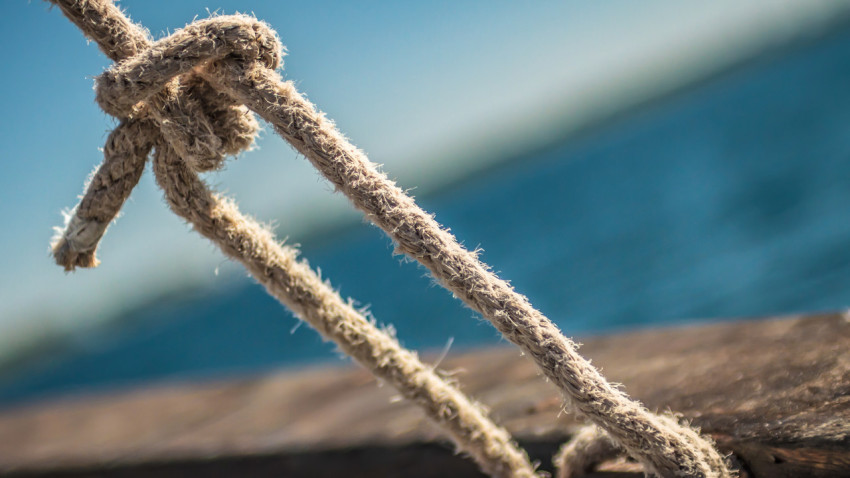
<point x="776" y="393"/>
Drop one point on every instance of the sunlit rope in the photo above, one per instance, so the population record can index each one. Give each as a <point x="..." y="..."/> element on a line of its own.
<point x="181" y="95"/>
<point x="192" y="127"/>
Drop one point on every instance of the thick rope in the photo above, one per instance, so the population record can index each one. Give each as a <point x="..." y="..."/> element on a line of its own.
<point x="170" y="118"/>
<point x="224" y="52"/>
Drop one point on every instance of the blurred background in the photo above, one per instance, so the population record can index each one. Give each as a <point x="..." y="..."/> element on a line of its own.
<point x="624" y="164"/>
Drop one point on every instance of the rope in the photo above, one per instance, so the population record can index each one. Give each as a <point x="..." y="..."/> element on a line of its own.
<point x="191" y="128"/>
<point x="235" y="55"/>
<point x="587" y="448"/>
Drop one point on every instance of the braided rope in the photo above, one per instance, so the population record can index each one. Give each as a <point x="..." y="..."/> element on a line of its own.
<point x="191" y="127"/>
<point x="235" y="55"/>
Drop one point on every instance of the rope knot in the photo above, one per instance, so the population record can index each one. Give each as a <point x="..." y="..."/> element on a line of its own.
<point x="158" y="91"/>
<point x="162" y="82"/>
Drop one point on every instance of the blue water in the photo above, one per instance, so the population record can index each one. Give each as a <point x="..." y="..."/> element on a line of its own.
<point x="730" y="200"/>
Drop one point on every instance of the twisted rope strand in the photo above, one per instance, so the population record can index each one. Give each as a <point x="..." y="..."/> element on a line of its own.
<point x="169" y="119"/>
<point x="241" y="69"/>
<point x="124" y="156"/>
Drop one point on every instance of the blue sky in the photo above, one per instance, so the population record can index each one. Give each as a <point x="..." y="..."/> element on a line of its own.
<point x="430" y="89"/>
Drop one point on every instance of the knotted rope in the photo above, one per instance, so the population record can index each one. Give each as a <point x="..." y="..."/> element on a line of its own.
<point x="191" y="128"/>
<point x="157" y="91"/>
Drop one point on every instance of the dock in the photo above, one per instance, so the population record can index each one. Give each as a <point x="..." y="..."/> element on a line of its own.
<point x="775" y="393"/>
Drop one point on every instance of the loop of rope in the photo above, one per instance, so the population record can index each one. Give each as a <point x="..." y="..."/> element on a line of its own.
<point x="586" y="449"/>
<point x="191" y="127"/>
<point x="143" y="75"/>
<point x="150" y="88"/>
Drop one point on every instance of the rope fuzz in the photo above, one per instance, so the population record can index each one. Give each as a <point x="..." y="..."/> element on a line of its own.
<point x="183" y="90"/>
<point x="192" y="127"/>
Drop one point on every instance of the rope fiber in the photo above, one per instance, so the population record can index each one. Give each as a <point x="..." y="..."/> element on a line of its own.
<point x="190" y="97"/>
<point x="191" y="127"/>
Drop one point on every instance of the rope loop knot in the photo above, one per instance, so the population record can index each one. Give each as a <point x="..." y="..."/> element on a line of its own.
<point x="121" y="88"/>
<point x="162" y="82"/>
<point x="159" y="92"/>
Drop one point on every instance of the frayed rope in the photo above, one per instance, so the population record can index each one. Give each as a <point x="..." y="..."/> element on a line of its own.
<point x="191" y="127"/>
<point x="182" y="96"/>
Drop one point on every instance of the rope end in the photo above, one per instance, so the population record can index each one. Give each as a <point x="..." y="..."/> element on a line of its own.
<point x="70" y="260"/>
<point x="75" y="245"/>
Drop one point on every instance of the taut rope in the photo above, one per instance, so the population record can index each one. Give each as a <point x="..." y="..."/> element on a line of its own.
<point x="192" y="127"/>
<point x="180" y="96"/>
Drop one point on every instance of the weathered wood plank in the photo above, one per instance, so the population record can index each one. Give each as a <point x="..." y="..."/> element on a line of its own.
<point x="776" y="393"/>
